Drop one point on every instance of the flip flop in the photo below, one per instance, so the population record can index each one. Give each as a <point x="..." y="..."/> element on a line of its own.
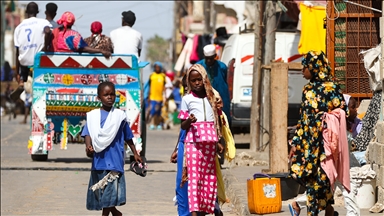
<point x="292" y="210"/>
<point x="140" y="168"/>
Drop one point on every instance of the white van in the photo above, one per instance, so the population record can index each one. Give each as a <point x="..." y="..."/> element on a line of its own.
<point x="238" y="56"/>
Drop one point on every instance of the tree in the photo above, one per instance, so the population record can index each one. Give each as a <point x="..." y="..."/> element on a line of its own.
<point x="158" y="50"/>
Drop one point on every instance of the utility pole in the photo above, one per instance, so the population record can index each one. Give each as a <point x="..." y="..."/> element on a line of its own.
<point x="256" y="78"/>
<point x="176" y="6"/>
<point x="207" y="17"/>
<point x="213" y="17"/>
<point x="269" y="55"/>
<point x="3" y="27"/>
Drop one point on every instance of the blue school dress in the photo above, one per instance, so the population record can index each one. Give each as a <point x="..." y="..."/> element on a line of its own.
<point x="110" y="159"/>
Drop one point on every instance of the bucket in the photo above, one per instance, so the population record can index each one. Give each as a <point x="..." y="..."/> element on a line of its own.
<point x="264" y="195"/>
<point x="175" y="119"/>
<point x="366" y="194"/>
<point x="289" y="186"/>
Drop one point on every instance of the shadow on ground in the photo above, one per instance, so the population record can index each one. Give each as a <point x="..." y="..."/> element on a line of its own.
<point x="242" y="145"/>
<point x="87" y="160"/>
<point x="69" y="160"/>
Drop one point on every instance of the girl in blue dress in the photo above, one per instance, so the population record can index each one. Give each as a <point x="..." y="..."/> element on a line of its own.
<point x="105" y="133"/>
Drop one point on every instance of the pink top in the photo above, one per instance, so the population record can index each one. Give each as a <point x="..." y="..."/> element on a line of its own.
<point x="204" y="129"/>
<point x="67" y="40"/>
<point x="336" y="163"/>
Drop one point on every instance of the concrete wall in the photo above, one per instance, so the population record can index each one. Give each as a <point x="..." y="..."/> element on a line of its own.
<point x="376" y="159"/>
<point x="376" y="149"/>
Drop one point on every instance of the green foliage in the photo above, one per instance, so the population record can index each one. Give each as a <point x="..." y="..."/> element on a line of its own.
<point x="157" y="49"/>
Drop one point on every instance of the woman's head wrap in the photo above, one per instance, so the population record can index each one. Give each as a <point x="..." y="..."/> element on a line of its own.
<point x="96" y="27"/>
<point x="212" y="95"/>
<point x="318" y="65"/>
<point x="66" y="20"/>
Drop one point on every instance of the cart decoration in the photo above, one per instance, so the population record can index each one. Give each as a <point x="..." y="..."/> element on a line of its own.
<point x="65" y="89"/>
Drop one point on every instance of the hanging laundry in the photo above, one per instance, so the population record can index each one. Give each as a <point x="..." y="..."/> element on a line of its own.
<point x="184" y="57"/>
<point x="221" y="36"/>
<point x="218" y="51"/>
<point x="194" y="54"/>
<point x="312" y="3"/>
<point x="372" y="66"/>
<point x="313" y="35"/>
<point x="183" y="38"/>
<point x="203" y="41"/>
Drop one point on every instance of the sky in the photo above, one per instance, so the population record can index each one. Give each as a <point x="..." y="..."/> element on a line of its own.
<point x="152" y="17"/>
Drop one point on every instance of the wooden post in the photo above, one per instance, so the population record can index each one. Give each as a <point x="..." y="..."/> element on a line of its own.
<point x="207" y="17"/>
<point x="256" y="78"/>
<point x="3" y="27"/>
<point x="269" y="55"/>
<point x="176" y="17"/>
<point x="330" y="36"/>
<point x="278" y="149"/>
<point x="213" y="17"/>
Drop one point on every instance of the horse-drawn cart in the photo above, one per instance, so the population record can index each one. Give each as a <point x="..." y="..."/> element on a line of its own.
<point x="65" y="88"/>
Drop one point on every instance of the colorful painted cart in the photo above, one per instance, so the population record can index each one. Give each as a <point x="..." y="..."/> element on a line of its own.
<point x="65" y="88"/>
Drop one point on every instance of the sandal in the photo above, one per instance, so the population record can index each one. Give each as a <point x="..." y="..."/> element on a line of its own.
<point x="140" y="168"/>
<point x="292" y="210"/>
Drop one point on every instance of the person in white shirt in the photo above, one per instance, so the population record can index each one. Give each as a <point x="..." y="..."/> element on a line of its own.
<point x="29" y="39"/>
<point x="125" y="39"/>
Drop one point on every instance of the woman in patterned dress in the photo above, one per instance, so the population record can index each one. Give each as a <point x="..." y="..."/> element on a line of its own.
<point x="320" y="95"/>
<point x="199" y="115"/>
<point x="65" y="39"/>
<point x="98" y="40"/>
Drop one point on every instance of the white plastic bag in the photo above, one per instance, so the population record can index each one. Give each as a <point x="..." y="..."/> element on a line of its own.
<point x="372" y="66"/>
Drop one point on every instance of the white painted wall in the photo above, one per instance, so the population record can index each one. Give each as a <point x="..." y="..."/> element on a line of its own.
<point x="9" y="48"/>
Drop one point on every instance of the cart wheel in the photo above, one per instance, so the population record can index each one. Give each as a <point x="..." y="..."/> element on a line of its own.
<point x="39" y="157"/>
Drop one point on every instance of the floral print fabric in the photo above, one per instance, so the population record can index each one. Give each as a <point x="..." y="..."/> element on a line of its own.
<point x="67" y="40"/>
<point x="101" y="42"/>
<point x="361" y="141"/>
<point x="320" y="95"/>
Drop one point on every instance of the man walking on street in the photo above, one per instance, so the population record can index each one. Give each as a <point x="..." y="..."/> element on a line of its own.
<point x="29" y="39"/>
<point x="50" y="13"/>
<point x="125" y="39"/>
<point x="217" y="74"/>
<point x="157" y="81"/>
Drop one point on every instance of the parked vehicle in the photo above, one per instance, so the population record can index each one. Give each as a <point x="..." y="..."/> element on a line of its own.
<point x="238" y="55"/>
<point x="65" y="89"/>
